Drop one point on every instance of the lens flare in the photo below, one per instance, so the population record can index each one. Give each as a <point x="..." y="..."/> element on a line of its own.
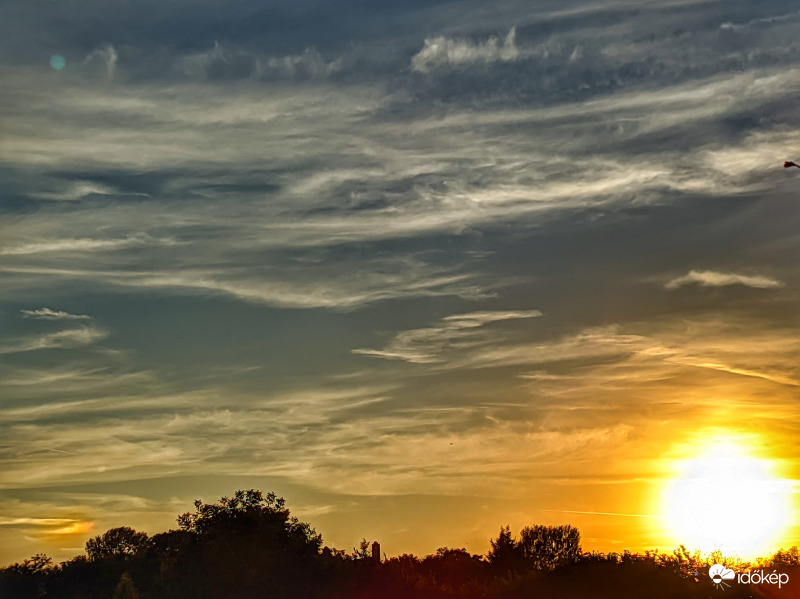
<point x="57" y="62"/>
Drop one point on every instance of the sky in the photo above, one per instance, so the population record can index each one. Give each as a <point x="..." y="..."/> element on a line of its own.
<point x="423" y="268"/>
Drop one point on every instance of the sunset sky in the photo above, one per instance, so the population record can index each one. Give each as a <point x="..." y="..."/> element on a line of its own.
<point x="423" y="268"/>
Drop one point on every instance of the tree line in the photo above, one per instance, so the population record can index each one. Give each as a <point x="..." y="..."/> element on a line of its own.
<point x="250" y="546"/>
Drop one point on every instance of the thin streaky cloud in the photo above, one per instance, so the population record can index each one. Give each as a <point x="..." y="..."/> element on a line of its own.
<point x="37" y="521"/>
<point x="76" y="191"/>
<point x="775" y="378"/>
<point x="710" y="278"/>
<point x="58" y="450"/>
<point x="604" y="513"/>
<point x="414" y="358"/>
<point x="67" y="339"/>
<point x="477" y="319"/>
<point x="455" y="332"/>
<point x="83" y="245"/>
<point x="294" y="287"/>
<point x="48" y="314"/>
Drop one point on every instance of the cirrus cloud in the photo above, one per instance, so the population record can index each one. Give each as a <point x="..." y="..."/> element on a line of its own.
<point x="69" y="338"/>
<point x="442" y="51"/>
<point x="48" y="314"/>
<point x="710" y="278"/>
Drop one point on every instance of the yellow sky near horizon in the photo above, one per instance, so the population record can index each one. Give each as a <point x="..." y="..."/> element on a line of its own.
<point x="616" y="511"/>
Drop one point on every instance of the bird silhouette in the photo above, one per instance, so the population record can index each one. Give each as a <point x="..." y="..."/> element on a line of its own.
<point x="787" y="164"/>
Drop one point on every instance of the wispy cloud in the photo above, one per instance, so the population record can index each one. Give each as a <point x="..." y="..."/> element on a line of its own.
<point x="775" y="377"/>
<point x="710" y="278"/>
<point x="442" y="51"/>
<point x="76" y="191"/>
<point x="455" y="332"/>
<point x="478" y="319"/>
<point x="66" y="339"/>
<point x="640" y="352"/>
<point x="107" y="56"/>
<point x="82" y="245"/>
<point x="36" y="521"/>
<point x="299" y="286"/>
<point x="226" y="61"/>
<point x="48" y="314"/>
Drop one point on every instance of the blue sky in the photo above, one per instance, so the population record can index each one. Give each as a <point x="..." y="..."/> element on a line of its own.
<point x="423" y="268"/>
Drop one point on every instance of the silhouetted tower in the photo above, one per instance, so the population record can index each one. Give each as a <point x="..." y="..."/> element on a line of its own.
<point x="376" y="552"/>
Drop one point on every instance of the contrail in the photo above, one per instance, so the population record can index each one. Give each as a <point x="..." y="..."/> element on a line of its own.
<point x="603" y="513"/>
<point x="58" y="450"/>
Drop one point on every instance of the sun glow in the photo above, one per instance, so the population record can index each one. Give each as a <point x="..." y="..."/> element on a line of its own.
<point x="724" y="498"/>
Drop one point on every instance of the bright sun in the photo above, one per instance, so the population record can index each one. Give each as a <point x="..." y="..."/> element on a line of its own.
<point x="726" y="499"/>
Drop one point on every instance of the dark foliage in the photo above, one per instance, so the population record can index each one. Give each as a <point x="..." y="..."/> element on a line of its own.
<point x="117" y="543"/>
<point x="506" y="554"/>
<point x="249" y="545"/>
<point x="125" y="589"/>
<point x="28" y="579"/>
<point x="550" y="547"/>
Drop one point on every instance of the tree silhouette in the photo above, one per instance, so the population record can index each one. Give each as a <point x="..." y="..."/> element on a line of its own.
<point x="38" y="564"/>
<point x="250" y="545"/>
<point x="117" y="543"/>
<point x="243" y="507"/>
<point x="27" y="579"/>
<point x="550" y="547"/>
<point x="362" y="551"/>
<point x="505" y="554"/>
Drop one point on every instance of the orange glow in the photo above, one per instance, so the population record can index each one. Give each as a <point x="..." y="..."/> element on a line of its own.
<point x="72" y="529"/>
<point x="725" y="497"/>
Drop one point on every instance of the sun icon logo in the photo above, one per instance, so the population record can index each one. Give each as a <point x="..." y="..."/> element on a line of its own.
<point x="719" y="574"/>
